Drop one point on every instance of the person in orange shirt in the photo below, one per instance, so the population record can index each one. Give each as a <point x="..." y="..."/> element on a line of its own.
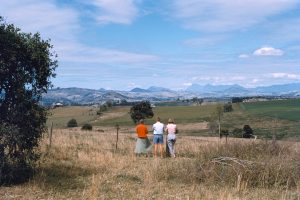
<point x="143" y="145"/>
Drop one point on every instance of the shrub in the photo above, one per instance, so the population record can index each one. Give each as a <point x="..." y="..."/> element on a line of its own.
<point x="228" y="107"/>
<point x="248" y="132"/>
<point x="237" y="132"/>
<point x="72" y="123"/>
<point x="224" y="132"/>
<point x="87" y="127"/>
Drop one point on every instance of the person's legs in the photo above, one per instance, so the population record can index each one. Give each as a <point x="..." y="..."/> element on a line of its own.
<point x="160" y="143"/>
<point x="171" y="144"/>
<point x="155" y="150"/>
<point x="155" y="141"/>
<point x="161" y="150"/>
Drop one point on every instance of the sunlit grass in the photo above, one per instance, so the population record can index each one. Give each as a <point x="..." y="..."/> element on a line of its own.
<point x="86" y="165"/>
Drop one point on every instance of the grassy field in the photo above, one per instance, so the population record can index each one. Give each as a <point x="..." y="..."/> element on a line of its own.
<point x="266" y="118"/>
<point x="85" y="165"/>
<point x="193" y="116"/>
<point x="60" y="116"/>
<point x="181" y="114"/>
<point x="282" y="109"/>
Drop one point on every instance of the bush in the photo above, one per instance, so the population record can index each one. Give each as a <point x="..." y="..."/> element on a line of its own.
<point x="224" y="132"/>
<point x="228" y="107"/>
<point x="248" y="132"/>
<point x="237" y="132"/>
<point x="16" y="168"/>
<point x="72" y="123"/>
<point x="87" y="127"/>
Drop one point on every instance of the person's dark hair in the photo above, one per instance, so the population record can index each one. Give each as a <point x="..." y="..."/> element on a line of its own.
<point x="158" y="119"/>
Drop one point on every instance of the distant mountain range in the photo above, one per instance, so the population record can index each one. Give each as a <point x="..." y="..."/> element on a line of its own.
<point x="237" y="90"/>
<point x="88" y="96"/>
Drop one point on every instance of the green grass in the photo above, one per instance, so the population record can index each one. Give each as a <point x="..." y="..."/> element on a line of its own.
<point x="61" y="116"/>
<point x="281" y="117"/>
<point x="282" y="109"/>
<point x="181" y="114"/>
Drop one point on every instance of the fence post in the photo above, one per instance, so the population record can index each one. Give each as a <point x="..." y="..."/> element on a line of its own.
<point x="50" y="137"/>
<point x="117" y="127"/>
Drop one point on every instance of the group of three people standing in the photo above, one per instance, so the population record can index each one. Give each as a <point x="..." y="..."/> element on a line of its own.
<point x="143" y="145"/>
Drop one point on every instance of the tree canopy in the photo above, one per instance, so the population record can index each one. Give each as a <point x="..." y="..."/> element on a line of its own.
<point x="27" y="64"/>
<point x="140" y="111"/>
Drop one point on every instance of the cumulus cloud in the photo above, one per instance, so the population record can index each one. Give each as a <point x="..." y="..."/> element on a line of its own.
<point x="116" y="11"/>
<point x="268" y="51"/>
<point x="227" y="15"/>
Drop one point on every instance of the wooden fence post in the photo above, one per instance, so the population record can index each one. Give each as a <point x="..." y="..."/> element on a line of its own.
<point x="117" y="127"/>
<point x="50" y="136"/>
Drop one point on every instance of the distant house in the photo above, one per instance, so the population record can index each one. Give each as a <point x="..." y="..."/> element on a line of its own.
<point x="56" y="105"/>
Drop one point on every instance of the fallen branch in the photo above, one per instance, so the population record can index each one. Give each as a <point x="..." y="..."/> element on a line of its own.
<point x="227" y="160"/>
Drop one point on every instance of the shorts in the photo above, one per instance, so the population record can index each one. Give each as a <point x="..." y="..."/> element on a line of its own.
<point x="158" y="139"/>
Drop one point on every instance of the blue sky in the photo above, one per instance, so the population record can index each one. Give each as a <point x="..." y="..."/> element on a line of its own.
<point x="122" y="44"/>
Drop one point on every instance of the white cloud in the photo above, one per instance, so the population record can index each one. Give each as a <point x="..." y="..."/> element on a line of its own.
<point x="219" y="79"/>
<point x="244" y="56"/>
<point x="62" y="25"/>
<point x="268" y="51"/>
<point x="227" y="15"/>
<point x="285" y="75"/>
<point x="116" y="11"/>
<point x="76" y="52"/>
<point x="40" y="16"/>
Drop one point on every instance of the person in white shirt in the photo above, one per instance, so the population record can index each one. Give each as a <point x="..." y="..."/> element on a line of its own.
<point x="158" y="138"/>
<point x="171" y="130"/>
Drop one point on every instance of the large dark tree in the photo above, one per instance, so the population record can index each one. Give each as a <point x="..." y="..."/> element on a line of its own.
<point x="27" y="64"/>
<point x="140" y="111"/>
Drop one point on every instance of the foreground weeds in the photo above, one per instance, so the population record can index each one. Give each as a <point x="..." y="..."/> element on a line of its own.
<point x="86" y="165"/>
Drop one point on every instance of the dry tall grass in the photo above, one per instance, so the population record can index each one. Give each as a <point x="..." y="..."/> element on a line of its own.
<point x="85" y="165"/>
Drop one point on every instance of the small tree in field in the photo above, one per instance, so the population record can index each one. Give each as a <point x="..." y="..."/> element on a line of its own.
<point x="72" y="123"/>
<point x="26" y="66"/>
<point x="140" y="111"/>
<point x="227" y="107"/>
<point x="248" y="132"/>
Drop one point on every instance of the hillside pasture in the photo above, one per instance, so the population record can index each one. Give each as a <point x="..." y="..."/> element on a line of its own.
<point x="281" y="109"/>
<point x="265" y="118"/>
<point x="61" y="115"/>
<point x="181" y="114"/>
